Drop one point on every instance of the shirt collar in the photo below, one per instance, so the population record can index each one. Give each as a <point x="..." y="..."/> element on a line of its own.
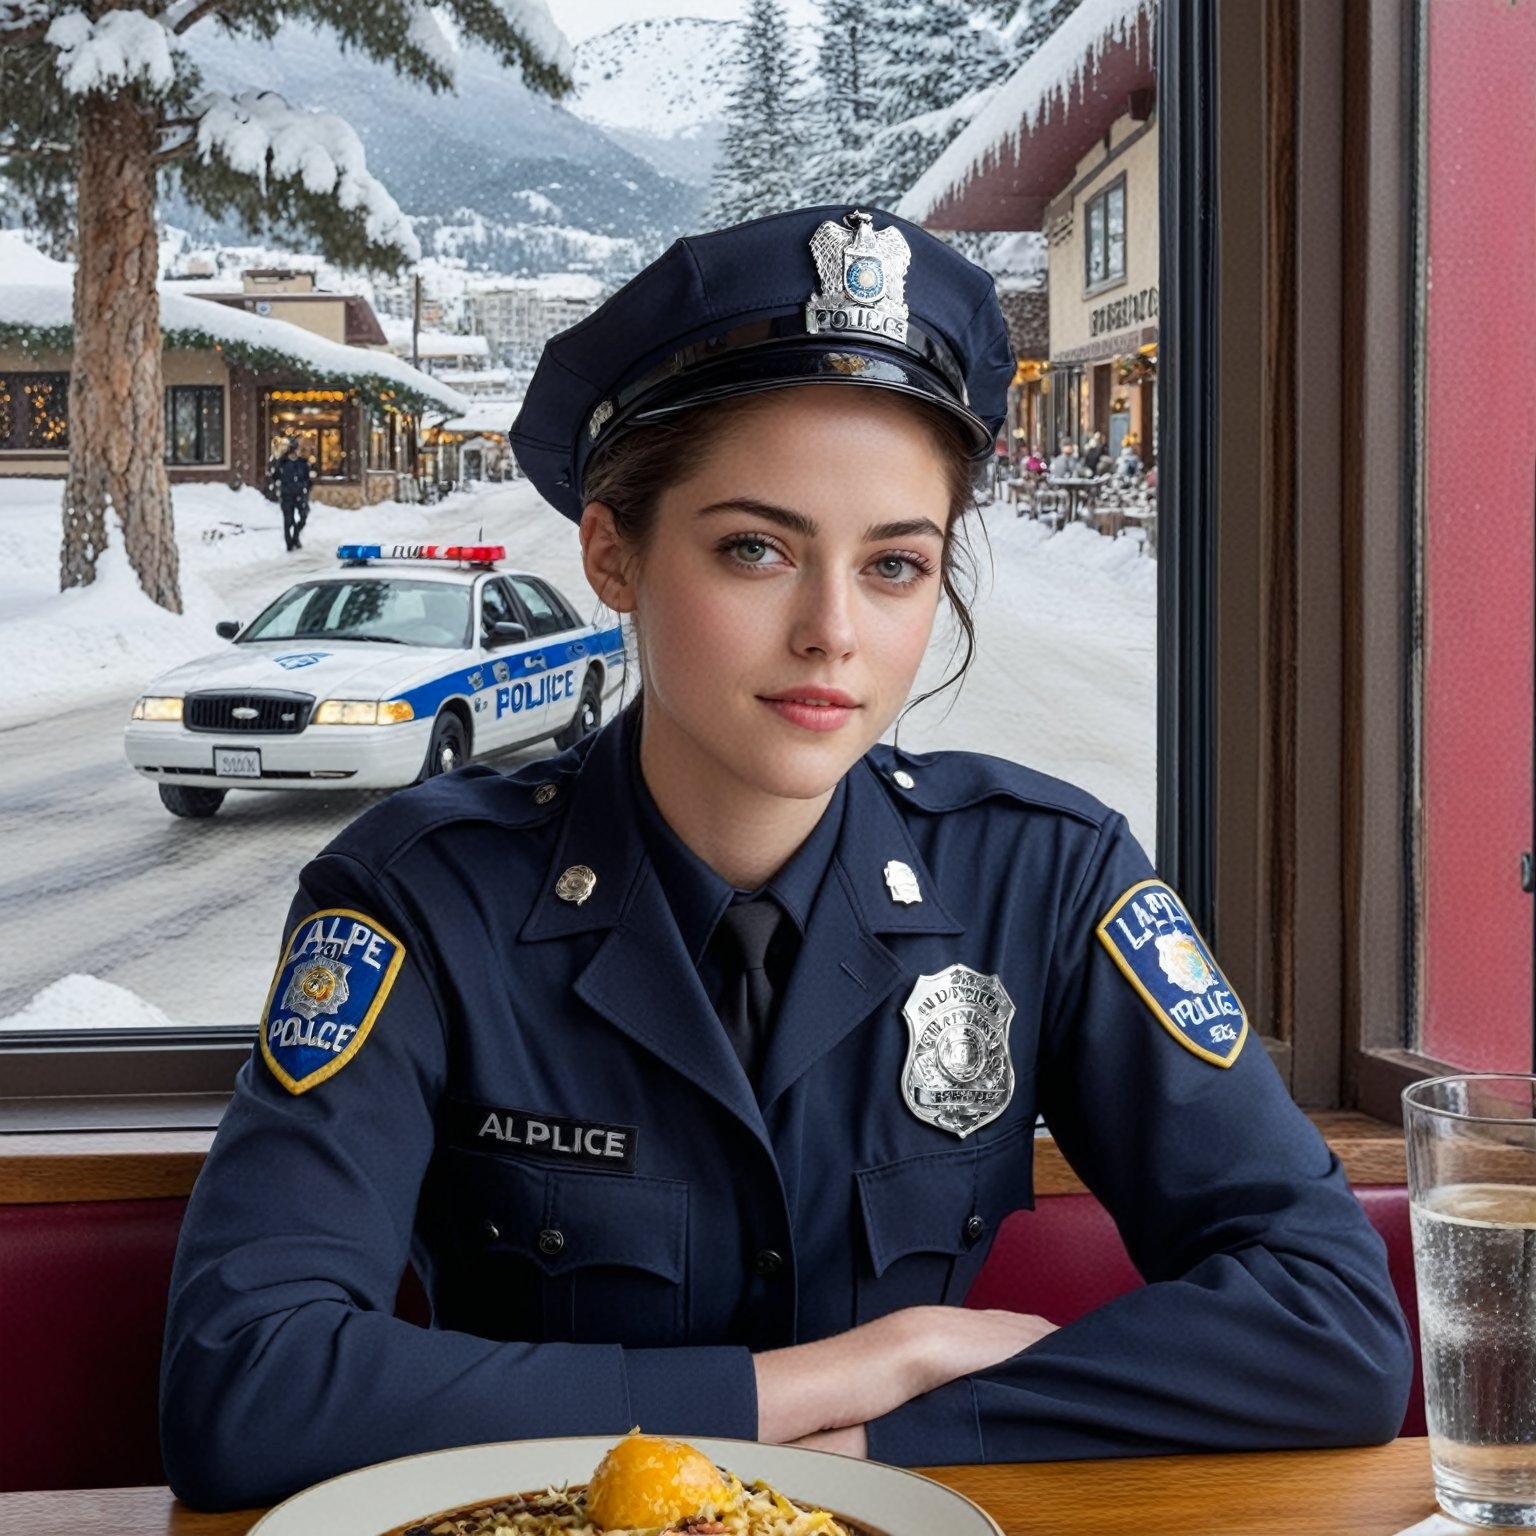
<point x="697" y="895"/>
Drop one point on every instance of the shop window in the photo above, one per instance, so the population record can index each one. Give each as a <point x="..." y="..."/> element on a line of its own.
<point x="34" y="411"/>
<point x="1471" y="795"/>
<point x="1104" y="236"/>
<point x="194" y="424"/>
<point x="315" y="419"/>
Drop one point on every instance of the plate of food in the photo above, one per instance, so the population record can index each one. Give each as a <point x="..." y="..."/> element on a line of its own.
<point x="638" y="1485"/>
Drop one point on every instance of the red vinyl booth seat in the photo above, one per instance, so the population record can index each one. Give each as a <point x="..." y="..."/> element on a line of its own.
<point x="82" y="1311"/>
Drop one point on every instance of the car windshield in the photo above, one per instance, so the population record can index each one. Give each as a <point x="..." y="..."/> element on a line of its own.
<point x="392" y="612"/>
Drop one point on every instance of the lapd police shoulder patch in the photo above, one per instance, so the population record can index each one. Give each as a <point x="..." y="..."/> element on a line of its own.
<point x="1150" y="937"/>
<point x="336" y="971"/>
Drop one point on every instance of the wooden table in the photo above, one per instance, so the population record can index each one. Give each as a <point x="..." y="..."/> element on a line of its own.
<point x="1377" y="1491"/>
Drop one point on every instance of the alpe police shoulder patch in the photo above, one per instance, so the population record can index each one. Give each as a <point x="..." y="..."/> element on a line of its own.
<point x="336" y="971"/>
<point x="1157" y="947"/>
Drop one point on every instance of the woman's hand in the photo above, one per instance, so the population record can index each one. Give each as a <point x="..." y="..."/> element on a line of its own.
<point x="843" y="1382"/>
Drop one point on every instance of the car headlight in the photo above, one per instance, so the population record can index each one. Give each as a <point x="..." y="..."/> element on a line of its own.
<point x="152" y="707"/>
<point x="362" y="712"/>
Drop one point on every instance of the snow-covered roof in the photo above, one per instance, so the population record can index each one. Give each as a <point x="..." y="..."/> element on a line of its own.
<point x="581" y="286"/>
<point x="473" y="378"/>
<point x="432" y="343"/>
<point x="1022" y="146"/>
<point x="43" y="301"/>
<point x="485" y="416"/>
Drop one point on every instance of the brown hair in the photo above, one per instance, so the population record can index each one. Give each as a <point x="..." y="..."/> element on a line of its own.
<point x="630" y="474"/>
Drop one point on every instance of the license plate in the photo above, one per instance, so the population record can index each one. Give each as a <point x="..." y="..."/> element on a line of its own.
<point x="237" y="762"/>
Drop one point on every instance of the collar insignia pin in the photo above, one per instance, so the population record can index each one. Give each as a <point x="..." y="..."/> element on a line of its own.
<point x="576" y="884"/>
<point x="901" y="882"/>
<point x="863" y="274"/>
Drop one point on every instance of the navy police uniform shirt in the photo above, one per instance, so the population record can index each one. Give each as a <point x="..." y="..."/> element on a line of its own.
<point x="488" y="1051"/>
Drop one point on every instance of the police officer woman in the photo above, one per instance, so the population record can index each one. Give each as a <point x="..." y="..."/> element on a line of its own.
<point x="695" y="1068"/>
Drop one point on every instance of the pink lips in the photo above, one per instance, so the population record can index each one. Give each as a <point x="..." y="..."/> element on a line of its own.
<point x="813" y="709"/>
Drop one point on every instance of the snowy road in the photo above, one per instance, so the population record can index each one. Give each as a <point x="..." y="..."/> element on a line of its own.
<point x="100" y="881"/>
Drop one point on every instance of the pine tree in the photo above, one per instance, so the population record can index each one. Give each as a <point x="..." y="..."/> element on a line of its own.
<point x="98" y="101"/>
<point x="935" y="54"/>
<point x="762" y="152"/>
<point x="838" y="161"/>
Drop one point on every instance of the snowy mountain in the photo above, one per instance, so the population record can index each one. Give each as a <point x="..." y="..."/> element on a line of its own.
<point x="491" y="172"/>
<point x="659" y="87"/>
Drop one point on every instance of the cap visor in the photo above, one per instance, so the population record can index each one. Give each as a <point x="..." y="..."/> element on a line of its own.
<point x="818" y="361"/>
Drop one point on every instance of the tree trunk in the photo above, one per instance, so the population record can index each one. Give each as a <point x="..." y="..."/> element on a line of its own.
<point x="116" y="401"/>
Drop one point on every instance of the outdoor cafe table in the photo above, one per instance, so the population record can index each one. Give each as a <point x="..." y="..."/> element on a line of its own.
<point x="1375" y="1491"/>
<point x="1077" y="489"/>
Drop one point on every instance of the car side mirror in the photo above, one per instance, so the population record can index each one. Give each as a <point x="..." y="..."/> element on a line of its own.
<point x="505" y="630"/>
<point x="227" y="629"/>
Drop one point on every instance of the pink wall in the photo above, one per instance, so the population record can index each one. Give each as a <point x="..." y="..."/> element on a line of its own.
<point x="1480" y="430"/>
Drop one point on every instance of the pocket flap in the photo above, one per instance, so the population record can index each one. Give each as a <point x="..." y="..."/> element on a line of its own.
<point x="610" y="1219"/>
<point x="922" y="1204"/>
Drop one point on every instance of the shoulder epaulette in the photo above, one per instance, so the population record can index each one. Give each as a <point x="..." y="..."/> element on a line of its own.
<point x="950" y="781"/>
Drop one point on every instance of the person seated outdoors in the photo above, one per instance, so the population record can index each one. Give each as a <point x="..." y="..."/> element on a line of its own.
<point x="1066" y="465"/>
<point x="1128" y="465"/>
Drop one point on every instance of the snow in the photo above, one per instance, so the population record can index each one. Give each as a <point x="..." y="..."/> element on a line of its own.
<point x="45" y="299"/>
<point x="488" y="415"/>
<point x="432" y="343"/>
<point x="111" y="634"/>
<point x="1046" y="82"/>
<point x="86" y="1002"/>
<point x="548" y="42"/>
<point x="426" y="33"/>
<point x="258" y="129"/>
<point x="120" y="48"/>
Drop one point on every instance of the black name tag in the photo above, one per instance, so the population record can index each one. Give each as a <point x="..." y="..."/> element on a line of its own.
<point x="546" y="1138"/>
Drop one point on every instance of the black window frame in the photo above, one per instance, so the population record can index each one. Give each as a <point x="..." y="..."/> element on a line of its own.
<point x="1110" y="278"/>
<point x="17" y="380"/>
<point x="172" y="391"/>
<point x="556" y="603"/>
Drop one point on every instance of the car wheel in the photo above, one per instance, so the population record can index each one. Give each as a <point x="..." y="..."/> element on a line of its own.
<point x="189" y="800"/>
<point x="588" y="716"/>
<point x="449" y="749"/>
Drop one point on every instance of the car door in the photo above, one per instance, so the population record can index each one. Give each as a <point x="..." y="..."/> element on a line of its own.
<point x="562" y="642"/>
<point x="513" y="671"/>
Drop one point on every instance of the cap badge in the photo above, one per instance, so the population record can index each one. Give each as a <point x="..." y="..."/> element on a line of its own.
<point x="901" y="882"/>
<point x="600" y="418"/>
<point x="863" y="273"/>
<point x="959" y="1072"/>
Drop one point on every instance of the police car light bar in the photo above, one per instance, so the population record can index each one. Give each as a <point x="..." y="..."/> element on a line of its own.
<point x="474" y="554"/>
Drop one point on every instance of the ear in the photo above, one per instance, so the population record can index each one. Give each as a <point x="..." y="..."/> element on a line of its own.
<point x="606" y="559"/>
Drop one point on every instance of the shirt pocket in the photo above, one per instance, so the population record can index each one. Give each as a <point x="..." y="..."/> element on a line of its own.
<point x="571" y="1256"/>
<point x="929" y="1220"/>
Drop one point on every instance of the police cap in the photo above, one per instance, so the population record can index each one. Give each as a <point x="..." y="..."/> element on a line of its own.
<point x="815" y="295"/>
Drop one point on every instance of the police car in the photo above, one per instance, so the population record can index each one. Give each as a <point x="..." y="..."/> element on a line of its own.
<point x="406" y="663"/>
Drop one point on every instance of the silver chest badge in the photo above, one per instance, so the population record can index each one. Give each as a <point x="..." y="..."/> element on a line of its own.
<point x="959" y="1073"/>
<point x="863" y="274"/>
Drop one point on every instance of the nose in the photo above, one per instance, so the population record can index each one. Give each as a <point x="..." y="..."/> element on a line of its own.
<point x="824" y="617"/>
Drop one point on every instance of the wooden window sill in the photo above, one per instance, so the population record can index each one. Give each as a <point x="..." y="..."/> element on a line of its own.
<point x="41" y="1168"/>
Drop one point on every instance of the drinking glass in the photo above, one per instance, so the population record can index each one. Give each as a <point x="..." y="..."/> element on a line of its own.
<point x="1472" y="1190"/>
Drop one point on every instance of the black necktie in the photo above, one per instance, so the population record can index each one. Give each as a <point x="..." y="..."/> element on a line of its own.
<point x="740" y="943"/>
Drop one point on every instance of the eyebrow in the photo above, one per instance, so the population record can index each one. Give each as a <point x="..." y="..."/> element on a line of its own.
<point x="798" y="522"/>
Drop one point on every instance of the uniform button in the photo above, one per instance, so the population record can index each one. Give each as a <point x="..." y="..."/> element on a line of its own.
<point x="903" y="779"/>
<point x="551" y="1241"/>
<point x="768" y="1262"/>
<point x="490" y="1231"/>
<point x="975" y="1228"/>
<point x="544" y="794"/>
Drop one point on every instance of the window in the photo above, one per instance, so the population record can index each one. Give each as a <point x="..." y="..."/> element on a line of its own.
<point x="34" y="411"/>
<point x="1104" y="242"/>
<point x="496" y="608"/>
<point x="194" y="424"/>
<point x="546" y="614"/>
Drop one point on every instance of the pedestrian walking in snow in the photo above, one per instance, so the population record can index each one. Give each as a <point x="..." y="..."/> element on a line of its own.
<point x="294" y="474"/>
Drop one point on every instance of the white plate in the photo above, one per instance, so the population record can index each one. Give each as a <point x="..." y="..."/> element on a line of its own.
<point x="376" y="1499"/>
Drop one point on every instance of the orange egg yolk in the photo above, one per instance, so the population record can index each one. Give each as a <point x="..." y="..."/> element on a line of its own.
<point x="646" y="1482"/>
